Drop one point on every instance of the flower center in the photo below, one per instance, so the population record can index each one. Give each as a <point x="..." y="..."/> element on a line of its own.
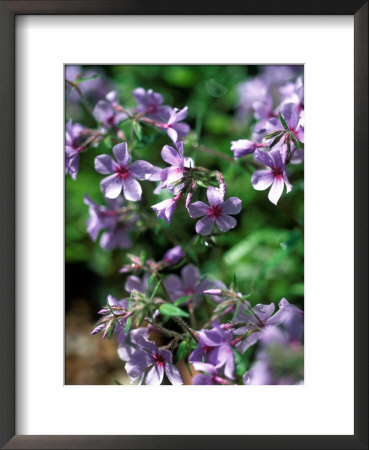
<point x="122" y="172"/>
<point x="277" y="172"/>
<point x="215" y="211"/>
<point x="158" y="359"/>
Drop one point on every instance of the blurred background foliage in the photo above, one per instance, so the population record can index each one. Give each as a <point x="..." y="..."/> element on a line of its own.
<point x="265" y="252"/>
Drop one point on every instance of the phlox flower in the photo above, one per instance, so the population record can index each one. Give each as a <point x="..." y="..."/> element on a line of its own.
<point x="219" y="211"/>
<point x="105" y="111"/>
<point x="148" y="363"/>
<point x="274" y="176"/>
<point x="150" y="104"/>
<point x="166" y="208"/>
<point x="123" y="174"/>
<point x="190" y="283"/>
<point x="74" y="137"/>
<point x="215" y="347"/>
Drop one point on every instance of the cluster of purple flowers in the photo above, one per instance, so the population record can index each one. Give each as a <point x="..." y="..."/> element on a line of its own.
<point x="157" y="325"/>
<point x="123" y="175"/>
<point x="275" y="99"/>
<point x="214" y="347"/>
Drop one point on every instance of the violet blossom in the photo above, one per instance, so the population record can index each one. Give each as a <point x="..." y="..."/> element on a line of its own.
<point x="213" y="374"/>
<point x="278" y="361"/>
<point x="290" y="317"/>
<point x="150" y="104"/>
<point x="176" y="129"/>
<point x="148" y="363"/>
<point x="219" y="211"/>
<point x="173" y="256"/>
<point x="106" y="112"/>
<point x="75" y="136"/>
<point x="276" y="174"/>
<point x="165" y="209"/>
<point x="190" y="283"/>
<point x="215" y="347"/>
<point x="115" y="223"/>
<point x="124" y="175"/>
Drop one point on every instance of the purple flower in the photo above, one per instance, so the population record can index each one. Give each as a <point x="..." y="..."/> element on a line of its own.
<point x="276" y="174"/>
<point x="189" y="283"/>
<point x="219" y="211"/>
<point x="114" y="308"/>
<point x="105" y="111"/>
<point x="278" y="361"/>
<point x="109" y="218"/>
<point x="244" y="147"/>
<point x="261" y="317"/>
<point x="134" y="283"/>
<point x="212" y="375"/>
<point x="150" y="104"/>
<point x="291" y="318"/>
<point x="174" y="126"/>
<point x="75" y="136"/>
<point x="292" y="118"/>
<point x="174" y="255"/>
<point x="148" y="363"/>
<point x="93" y="88"/>
<point x="124" y="175"/>
<point x="215" y="347"/>
<point x="166" y="208"/>
<point x="251" y="91"/>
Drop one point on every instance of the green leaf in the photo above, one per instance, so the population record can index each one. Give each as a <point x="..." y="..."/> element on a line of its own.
<point x="181" y="300"/>
<point x="137" y="129"/>
<point x="276" y="140"/>
<point x="182" y="350"/>
<point x="272" y="135"/>
<point x="128" y="325"/>
<point x="117" y="382"/>
<point x="285" y="126"/>
<point x="149" y="281"/>
<point x="80" y="80"/>
<point x="155" y="290"/>
<point x="171" y="310"/>
<point x="295" y="141"/>
<point x="201" y="184"/>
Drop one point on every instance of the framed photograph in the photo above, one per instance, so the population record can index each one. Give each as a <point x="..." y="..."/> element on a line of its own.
<point x="178" y="270"/>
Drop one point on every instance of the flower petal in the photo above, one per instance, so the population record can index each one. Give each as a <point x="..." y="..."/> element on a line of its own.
<point x="232" y="205"/>
<point x="172" y="134"/>
<point x="262" y="179"/>
<point x="263" y="157"/>
<point x="287" y="183"/>
<point x="133" y="282"/>
<point x="173" y="374"/>
<point x="198" y="209"/>
<point x="105" y="164"/>
<point x="155" y="375"/>
<point x="142" y="170"/>
<point x="171" y="156"/>
<point x="190" y="275"/>
<point x="132" y="189"/>
<point x="215" y="196"/>
<point x="111" y="186"/>
<point x="225" y="222"/>
<point x="205" y="226"/>
<point x="121" y="154"/>
<point x="290" y="115"/>
<point x="276" y="190"/>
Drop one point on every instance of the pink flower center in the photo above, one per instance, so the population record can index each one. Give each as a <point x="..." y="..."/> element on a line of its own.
<point x="122" y="172"/>
<point x="189" y="291"/>
<point x="215" y="211"/>
<point x="158" y="359"/>
<point x="277" y="172"/>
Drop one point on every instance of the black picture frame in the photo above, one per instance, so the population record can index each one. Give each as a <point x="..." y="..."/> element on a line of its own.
<point x="8" y="11"/>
